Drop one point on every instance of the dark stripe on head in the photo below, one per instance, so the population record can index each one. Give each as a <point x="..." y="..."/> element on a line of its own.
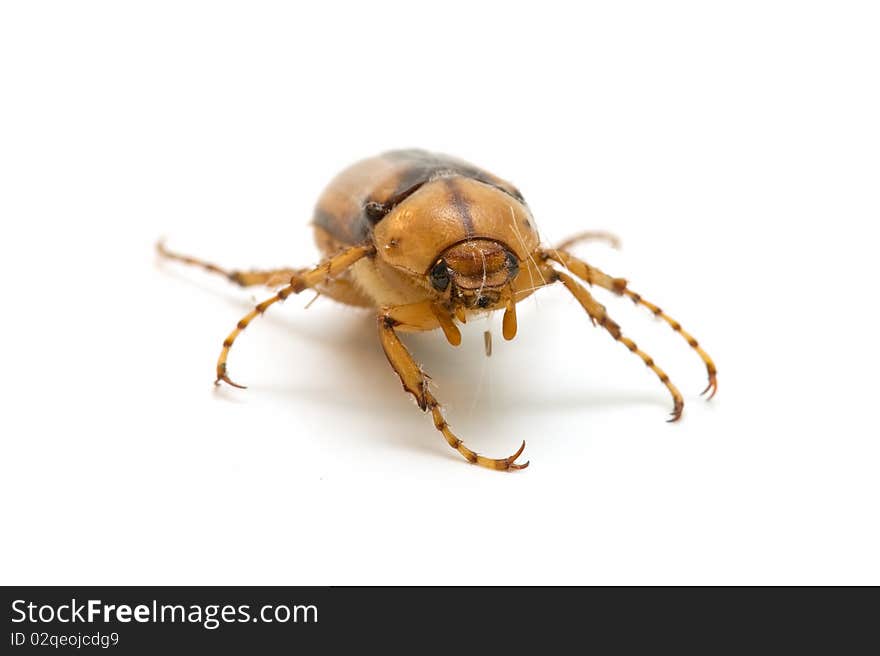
<point x="461" y="204"/>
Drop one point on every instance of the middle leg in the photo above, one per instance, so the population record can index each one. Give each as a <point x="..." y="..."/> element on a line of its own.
<point x="598" y="315"/>
<point x="311" y="279"/>
<point x="593" y="276"/>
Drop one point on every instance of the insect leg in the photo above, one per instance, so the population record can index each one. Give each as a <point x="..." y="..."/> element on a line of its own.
<point x="590" y="235"/>
<point x="598" y="315"/>
<point x="297" y="283"/>
<point x="272" y="278"/>
<point x="415" y="381"/>
<point x="594" y="276"/>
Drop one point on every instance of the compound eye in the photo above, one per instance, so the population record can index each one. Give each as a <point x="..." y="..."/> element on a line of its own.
<point x="440" y="276"/>
<point x="512" y="265"/>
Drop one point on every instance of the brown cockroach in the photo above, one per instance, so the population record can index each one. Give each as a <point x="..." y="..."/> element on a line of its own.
<point x="427" y="240"/>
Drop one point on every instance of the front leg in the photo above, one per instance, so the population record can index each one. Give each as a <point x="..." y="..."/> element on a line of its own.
<point x="419" y="316"/>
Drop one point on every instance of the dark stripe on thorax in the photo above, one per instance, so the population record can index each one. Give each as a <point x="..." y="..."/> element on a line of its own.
<point x="461" y="205"/>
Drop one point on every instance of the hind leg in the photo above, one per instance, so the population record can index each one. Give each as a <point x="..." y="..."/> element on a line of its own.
<point x="340" y="289"/>
<point x="270" y="278"/>
<point x="590" y="235"/>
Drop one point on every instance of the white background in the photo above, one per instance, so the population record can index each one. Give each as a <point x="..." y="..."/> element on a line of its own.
<point x="733" y="148"/>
